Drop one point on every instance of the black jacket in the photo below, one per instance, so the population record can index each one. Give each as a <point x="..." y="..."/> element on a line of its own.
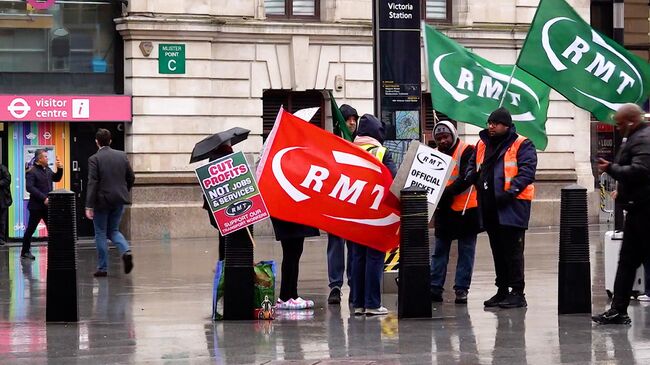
<point x="370" y="126"/>
<point x="5" y="187"/>
<point x="39" y="183"/>
<point x="110" y="178"/>
<point x="496" y="205"/>
<point x="448" y="223"/>
<point x="632" y="170"/>
<point x="288" y="230"/>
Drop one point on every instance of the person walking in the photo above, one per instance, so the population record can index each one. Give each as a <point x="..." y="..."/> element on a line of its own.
<point x="368" y="263"/>
<point x="5" y="201"/>
<point x="503" y="169"/>
<point x="336" y="262"/>
<point x="456" y="217"/>
<point x="38" y="182"/>
<point x="631" y="170"/>
<point x="110" y="179"/>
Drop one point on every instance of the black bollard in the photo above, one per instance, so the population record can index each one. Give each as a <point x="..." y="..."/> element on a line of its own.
<point x="61" y="305"/>
<point x="414" y="294"/>
<point x="238" y="277"/>
<point x="574" y="280"/>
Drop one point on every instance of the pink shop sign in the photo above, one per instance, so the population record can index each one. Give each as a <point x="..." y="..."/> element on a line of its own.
<point x="65" y="108"/>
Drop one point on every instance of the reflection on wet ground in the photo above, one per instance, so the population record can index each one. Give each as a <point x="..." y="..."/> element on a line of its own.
<point x="161" y="314"/>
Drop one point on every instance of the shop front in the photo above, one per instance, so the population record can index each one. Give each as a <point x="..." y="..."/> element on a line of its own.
<point x="65" y="126"/>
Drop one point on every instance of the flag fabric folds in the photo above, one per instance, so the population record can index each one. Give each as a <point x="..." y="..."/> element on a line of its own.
<point x="310" y="176"/>
<point x="467" y="88"/>
<point x="592" y="71"/>
<point x="340" y="128"/>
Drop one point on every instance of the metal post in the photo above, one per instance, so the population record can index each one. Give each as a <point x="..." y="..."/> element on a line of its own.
<point x="414" y="293"/>
<point x="618" y="35"/>
<point x="574" y="280"/>
<point x="238" y="276"/>
<point x="61" y="302"/>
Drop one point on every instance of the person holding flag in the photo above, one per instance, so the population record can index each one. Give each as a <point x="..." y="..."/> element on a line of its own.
<point x="503" y="171"/>
<point x="368" y="263"/>
<point x="456" y="217"/>
<point x="345" y="126"/>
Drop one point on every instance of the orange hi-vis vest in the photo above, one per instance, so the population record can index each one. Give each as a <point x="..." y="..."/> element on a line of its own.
<point x="458" y="204"/>
<point x="510" y="168"/>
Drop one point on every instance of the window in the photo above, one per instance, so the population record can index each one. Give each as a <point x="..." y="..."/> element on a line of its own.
<point x="429" y="119"/>
<point x="292" y="102"/>
<point x="294" y="9"/>
<point x="71" y="37"/>
<point x="436" y="10"/>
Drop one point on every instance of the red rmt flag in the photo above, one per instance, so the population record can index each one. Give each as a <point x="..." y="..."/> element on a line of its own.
<point x="310" y="176"/>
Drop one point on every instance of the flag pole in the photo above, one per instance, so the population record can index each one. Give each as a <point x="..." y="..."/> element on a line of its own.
<point x="512" y="74"/>
<point x="467" y="200"/>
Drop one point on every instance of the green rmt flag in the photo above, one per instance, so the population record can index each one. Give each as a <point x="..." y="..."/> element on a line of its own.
<point x="468" y="88"/>
<point x="340" y="128"/>
<point x="591" y="70"/>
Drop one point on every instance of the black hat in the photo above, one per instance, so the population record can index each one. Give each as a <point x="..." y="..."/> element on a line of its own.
<point x="501" y="116"/>
<point x="348" y="112"/>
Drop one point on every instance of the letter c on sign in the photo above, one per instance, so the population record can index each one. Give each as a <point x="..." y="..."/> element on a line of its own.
<point x="169" y="65"/>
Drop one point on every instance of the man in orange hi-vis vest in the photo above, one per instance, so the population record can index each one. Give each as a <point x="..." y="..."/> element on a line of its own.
<point x="503" y="170"/>
<point x="456" y="217"/>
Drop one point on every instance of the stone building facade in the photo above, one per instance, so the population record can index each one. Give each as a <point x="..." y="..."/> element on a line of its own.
<point x="236" y="52"/>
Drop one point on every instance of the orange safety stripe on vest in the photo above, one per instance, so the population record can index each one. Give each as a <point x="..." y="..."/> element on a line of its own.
<point x="458" y="204"/>
<point x="510" y="168"/>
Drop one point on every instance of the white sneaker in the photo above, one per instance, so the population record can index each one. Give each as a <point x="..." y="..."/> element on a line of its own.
<point x="643" y="298"/>
<point x="307" y="303"/>
<point x="359" y="311"/>
<point x="376" y="311"/>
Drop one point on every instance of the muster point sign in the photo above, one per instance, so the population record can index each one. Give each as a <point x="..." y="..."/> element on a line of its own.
<point x="171" y="58"/>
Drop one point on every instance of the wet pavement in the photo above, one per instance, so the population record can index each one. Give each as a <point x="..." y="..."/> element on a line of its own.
<point x="160" y="314"/>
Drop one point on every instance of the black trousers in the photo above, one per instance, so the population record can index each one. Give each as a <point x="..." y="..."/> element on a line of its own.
<point x="35" y="216"/>
<point x="507" y="244"/>
<point x="3" y="223"/>
<point x="635" y="249"/>
<point x="291" y="252"/>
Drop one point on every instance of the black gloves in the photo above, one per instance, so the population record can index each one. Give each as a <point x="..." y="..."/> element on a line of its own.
<point x="504" y="198"/>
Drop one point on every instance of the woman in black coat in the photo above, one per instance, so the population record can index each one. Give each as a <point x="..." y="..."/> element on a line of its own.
<point x="292" y="237"/>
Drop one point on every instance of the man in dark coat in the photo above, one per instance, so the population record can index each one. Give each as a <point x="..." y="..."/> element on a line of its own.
<point x="632" y="172"/>
<point x="38" y="181"/>
<point x="456" y="217"/>
<point x="503" y="169"/>
<point x="5" y="201"/>
<point x="110" y="178"/>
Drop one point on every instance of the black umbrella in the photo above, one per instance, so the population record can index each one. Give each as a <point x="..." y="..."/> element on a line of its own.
<point x="203" y="149"/>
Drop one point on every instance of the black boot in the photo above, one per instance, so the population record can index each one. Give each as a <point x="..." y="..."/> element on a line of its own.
<point x="515" y="299"/>
<point x="501" y="294"/>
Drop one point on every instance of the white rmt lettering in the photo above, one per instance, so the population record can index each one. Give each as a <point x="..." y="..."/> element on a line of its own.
<point x="627" y="81"/>
<point x="488" y="89"/>
<point x="343" y="191"/>
<point x="465" y="80"/>
<point x="380" y="195"/>
<point x="315" y="175"/>
<point x="578" y="48"/>
<point x="515" y="98"/>
<point x="602" y="67"/>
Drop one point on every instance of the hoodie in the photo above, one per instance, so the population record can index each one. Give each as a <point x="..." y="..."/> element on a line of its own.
<point x="371" y="131"/>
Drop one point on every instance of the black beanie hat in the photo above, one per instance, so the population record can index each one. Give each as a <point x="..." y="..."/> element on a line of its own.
<point x="501" y="116"/>
<point x="348" y="112"/>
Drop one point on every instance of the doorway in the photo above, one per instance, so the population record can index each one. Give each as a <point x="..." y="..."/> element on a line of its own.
<point x="82" y="146"/>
